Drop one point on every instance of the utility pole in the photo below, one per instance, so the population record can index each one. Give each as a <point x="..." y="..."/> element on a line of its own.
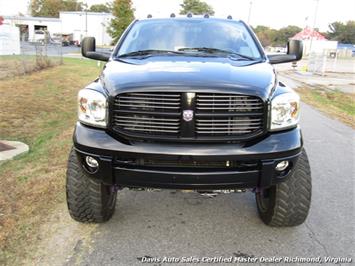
<point x="86" y="19"/>
<point x="314" y="24"/>
<point x="86" y="23"/>
<point x="250" y="7"/>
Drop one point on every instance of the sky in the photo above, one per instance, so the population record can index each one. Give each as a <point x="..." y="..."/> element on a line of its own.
<point x="272" y="13"/>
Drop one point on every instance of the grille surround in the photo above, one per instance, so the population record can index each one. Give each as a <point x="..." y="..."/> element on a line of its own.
<point x="157" y="116"/>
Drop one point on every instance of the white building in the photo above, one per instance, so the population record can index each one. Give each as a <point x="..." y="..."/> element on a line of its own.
<point x="78" y="23"/>
<point x="9" y="40"/>
<point x="28" y="25"/>
<point x="82" y="24"/>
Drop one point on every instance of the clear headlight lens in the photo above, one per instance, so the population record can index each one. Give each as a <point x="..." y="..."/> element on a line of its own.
<point x="92" y="108"/>
<point x="285" y="110"/>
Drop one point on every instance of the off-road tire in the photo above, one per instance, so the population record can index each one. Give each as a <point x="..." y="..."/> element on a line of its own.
<point x="287" y="203"/>
<point x="89" y="201"/>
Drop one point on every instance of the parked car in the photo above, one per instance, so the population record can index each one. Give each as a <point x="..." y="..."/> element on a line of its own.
<point x="189" y="103"/>
<point x="64" y="39"/>
<point x="40" y="36"/>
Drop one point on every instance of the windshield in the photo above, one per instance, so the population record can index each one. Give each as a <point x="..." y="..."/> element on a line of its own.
<point x="182" y="34"/>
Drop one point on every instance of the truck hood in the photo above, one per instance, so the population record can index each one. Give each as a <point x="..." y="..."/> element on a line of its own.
<point x="189" y="74"/>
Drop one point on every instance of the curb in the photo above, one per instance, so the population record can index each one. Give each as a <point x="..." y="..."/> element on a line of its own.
<point x="19" y="148"/>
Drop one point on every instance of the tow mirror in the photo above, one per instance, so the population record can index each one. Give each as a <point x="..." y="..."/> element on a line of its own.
<point x="294" y="53"/>
<point x="88" y="49"/>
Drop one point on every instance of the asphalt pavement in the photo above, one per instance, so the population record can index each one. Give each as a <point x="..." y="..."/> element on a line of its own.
<point x="177" y="224"/>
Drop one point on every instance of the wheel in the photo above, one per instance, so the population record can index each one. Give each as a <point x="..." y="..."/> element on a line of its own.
<point x="88" y="200"/>
<point x="287" y="203"/>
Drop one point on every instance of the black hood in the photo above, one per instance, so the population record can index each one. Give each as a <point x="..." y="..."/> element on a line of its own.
<point x="189" y="73"/>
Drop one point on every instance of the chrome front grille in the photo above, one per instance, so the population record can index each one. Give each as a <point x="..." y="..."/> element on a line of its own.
<point x="150" y="113"/>
<point x="229" y="126"/>
<point x="228" y="114"/>
<point x="158" y="115"/>
<point x="228" y="103"/>
<point x="149" y="101"/>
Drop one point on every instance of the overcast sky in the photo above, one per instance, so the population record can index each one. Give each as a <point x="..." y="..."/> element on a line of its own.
<point x="273" y="13"/>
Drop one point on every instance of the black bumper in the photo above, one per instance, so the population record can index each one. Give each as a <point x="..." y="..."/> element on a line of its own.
<point x="251" y="165"/>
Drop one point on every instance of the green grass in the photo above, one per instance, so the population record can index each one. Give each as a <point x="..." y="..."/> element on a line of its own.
<point x="335" y="98"/>
<point x="335" y="103"/>
<point x="40" y="110"/>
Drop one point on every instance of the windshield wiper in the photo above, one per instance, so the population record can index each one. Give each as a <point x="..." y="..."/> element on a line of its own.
<point x="216" y="51"/>
<point x="204" y="49"/>
<point x="148" y="53"/>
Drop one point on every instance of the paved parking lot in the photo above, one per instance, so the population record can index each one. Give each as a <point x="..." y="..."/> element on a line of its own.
<point x="158" y="224"/>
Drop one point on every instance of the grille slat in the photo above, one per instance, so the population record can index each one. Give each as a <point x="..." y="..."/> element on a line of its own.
<point x="149" y="98"/>
<point x="230" y="103"/>
<point x="158" y="94"/>
<point x="231" y="128"/>
<point x="149" y="119"/>
<point x="230" y="107"/>
<point x="125" y="121"/>
<point x="146" y="106"/>
<point x="223" y="96"/>
<point x="148" y="126"/>
<point x="229" y="99"/>
<point x="152" y="130"/>
<point x="119" y="102"/>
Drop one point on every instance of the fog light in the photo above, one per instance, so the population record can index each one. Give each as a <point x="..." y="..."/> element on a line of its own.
<point x="92" y="162"/>
<point x="281" y="166"/>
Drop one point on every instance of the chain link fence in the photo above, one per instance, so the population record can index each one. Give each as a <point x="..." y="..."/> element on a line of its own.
<point x="33" y="57"/>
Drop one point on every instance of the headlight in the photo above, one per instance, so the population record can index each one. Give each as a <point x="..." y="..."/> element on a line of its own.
<point x="92" y="108"/>
<point x="285" y="110"/>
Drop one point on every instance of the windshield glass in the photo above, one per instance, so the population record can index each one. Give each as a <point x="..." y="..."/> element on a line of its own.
<point x="176" y="34"/>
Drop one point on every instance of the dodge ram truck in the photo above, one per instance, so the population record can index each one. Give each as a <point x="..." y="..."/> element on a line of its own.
<point x="189" y="103"/>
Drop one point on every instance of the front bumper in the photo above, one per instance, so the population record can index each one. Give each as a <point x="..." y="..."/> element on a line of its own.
<point x="124" y="164"/>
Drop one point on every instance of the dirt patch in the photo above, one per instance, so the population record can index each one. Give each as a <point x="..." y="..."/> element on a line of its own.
<point x="60" y="240"/>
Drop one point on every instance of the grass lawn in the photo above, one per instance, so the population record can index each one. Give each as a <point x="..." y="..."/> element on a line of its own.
<point x="40" y="110"/>
<point x="337" y="104"/>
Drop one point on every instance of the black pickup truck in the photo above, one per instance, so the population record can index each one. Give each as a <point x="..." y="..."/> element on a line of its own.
<point x="189" y="103"/>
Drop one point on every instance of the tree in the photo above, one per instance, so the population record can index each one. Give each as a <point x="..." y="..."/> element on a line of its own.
<point x="196" y="7"/>
<point x="101" y="8"/>
<point x="344" y="33"/>
<point x="266" y="35"/>
<point x="51" y="8"/>
<point x="272" y="37"/>
<point x="123" y="15"/>
<point x="284" y="34"/>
